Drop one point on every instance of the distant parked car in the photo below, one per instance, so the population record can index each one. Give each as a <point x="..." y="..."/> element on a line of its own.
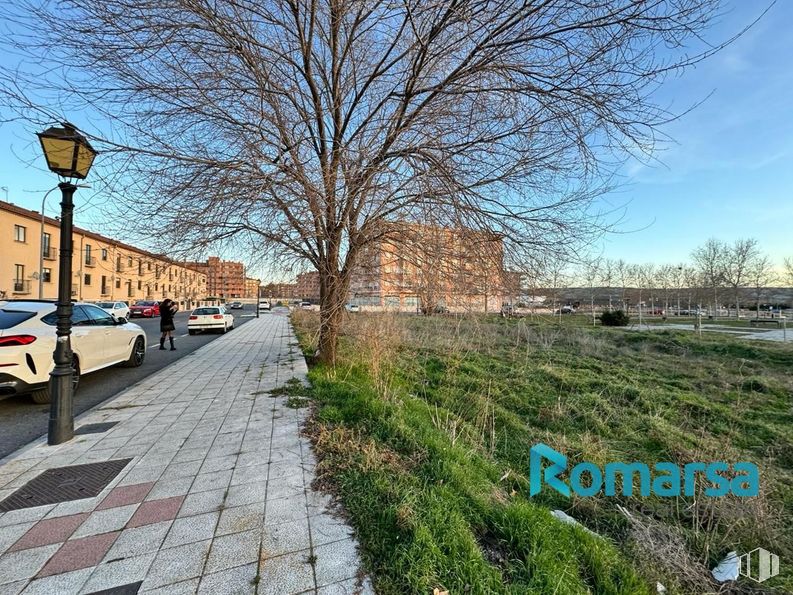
<point x="305" y="305"/>
<point x="565" y="310"/>
<point x="353" y="308"/>
<point x="210" y="318"/>
<point x="264" y="305"/>
<point x="145" y="308"/>
<point x="27" y="340"/>
<point x="116" y="309"/>
<point x="658" y="312"/>
<point x="235" y="305"/>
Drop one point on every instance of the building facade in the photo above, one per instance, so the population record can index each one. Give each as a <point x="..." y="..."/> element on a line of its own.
<point x="426" y="268"/>
<point x="307" y="286"/>
<point x="225" y="278"/>
<point x="251" y="288"/>
<point x="102" y="268"/>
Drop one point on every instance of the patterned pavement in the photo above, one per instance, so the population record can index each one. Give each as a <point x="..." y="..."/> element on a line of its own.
<point x="217" y="496"/>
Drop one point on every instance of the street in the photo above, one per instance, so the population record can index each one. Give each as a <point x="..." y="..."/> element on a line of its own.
<point x="21" y="420"/>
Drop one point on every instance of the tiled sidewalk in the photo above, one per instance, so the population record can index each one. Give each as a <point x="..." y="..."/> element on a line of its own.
<point x="216" y="498"/>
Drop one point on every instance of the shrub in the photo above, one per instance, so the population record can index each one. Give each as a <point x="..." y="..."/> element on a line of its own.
<point x="615" y="318"/>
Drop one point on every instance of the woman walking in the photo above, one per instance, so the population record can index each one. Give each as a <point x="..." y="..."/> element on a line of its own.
<point x="167" y="309"/>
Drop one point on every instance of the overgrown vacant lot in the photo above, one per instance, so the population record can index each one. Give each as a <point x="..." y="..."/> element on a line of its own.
<point x="424" y="432"/>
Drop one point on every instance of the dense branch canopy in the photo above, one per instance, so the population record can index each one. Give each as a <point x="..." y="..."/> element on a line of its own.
<point x="305" y="122"/>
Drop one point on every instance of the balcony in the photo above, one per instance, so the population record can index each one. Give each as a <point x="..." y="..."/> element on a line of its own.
<point x="90" y="261"/>
<point x="21" y="286"/>
<point x="120" y="268"/>
<point x="49" y="253"/>
<point x="105" y="290"/>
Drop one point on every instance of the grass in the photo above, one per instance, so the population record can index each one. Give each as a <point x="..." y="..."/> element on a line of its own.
<point x="424" y="430"/>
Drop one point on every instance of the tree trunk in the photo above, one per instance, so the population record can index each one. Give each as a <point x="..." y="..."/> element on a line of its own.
<point x="333" y="294"/>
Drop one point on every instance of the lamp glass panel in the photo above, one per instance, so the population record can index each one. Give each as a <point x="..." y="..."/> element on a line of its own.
<point x="85" y="158"/>
<point x="59" y="153"/>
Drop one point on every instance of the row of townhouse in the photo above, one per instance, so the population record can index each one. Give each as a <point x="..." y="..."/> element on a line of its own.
<point x="102" y="268"/>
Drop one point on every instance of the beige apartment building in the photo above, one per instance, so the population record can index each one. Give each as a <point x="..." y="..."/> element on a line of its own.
<point x="102" y="268"/>
<point x="251" y="288"/>
<point x="425" y="267"/>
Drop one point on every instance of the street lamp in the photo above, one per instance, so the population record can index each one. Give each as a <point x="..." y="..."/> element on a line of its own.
<point x="70" y="155"/>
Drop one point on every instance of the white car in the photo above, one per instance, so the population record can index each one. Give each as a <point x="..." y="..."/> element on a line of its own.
<point x="264" y="305"/>
<point x="27" y="342"/>
<point x="117" y="309"/>
<point x="210" y="318"/>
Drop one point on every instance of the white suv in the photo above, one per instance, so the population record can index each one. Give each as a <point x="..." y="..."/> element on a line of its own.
<point x="27" y="343"/>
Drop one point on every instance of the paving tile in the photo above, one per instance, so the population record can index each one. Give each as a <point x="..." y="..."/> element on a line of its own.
<point x="167" y="487"/>
<point x="232" y="550"/>
<point x="235" y="581"/>
<point x="139" y="541"/>
<point x="286" y="574"/>
<point x="155" y="511"/>
<point x="327" y="529"/>
<point x="218" y="463"/>
<point x="104" y="521"/>
<point x="246" y="493"/>
<point x="118" y="573"/>
<point x="24" y="515"/>
<point x="202" y="502"/>
<point x="9" y="535"/>
<point x="67" y="582"/>
<point x="286" y="487"/>
<point x="285" y="510"/>
<point x="49" y="531"/>
<point x="192" y="528"/>
<point x="12" y="588"/>
<point x="126" y="494"/>
<point x="142" y="475"/>
<point x="211" y="481"/>
<point x="73" y="507"/>
<point x="319" y="502"/>
<point x="336" y="561"/>
<point x="241" y="518"/>
<point x="285" y="538"/>
<point x="24" y="564"/>
<point x="183" y="469"/>
<point x="189" y="587"/>
<point x="250" y="474"/>
<point x="352" y="586"/>
<point x="79" y="553"/>
<point x="177" y="564"/>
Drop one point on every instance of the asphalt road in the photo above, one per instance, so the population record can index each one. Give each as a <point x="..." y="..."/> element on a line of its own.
<point x="22" y="421"/>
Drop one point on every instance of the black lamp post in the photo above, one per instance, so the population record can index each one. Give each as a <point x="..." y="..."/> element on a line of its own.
<point x="69" y="155"/>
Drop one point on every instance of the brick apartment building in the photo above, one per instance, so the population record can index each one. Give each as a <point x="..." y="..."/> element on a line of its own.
<point x="307" y="286"/>
<point x="418" y="267"/>
<point x="225" y="278"/>
<point x="285" y="291"/>
<point x="103" y="268"/>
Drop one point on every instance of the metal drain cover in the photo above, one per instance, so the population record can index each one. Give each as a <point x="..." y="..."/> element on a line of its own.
<point x="130" y="589"/>
<point x="63" y="484"/>
<point x="95" y="428"/>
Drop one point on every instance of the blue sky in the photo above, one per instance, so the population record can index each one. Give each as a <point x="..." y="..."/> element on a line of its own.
<point x="727" y="173"/>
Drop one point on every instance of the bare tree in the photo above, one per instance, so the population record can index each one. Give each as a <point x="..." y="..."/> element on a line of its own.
<point x="759" y="275"/>
<point x="709" y="260"/>
<point x="789" y="269"/>
<point x="738" y="259"/>
<point x="592" y="272"/>
<point x="305" y="125"/>
<point x="607" y="274"/>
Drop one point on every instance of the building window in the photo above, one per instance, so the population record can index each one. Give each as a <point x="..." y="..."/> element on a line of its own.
<point x="104" y="253"/>
<point x="19" y="233"/>
<point x="118" y="283"/>
<point x="86" y="279"/>
<point x="46" y="275"/>
<point x="148" y="266"/>
<point x="104" y="285"/>
<point x="19" y="272"/>
<point x="140" y="284"/>
<point x="45" y="245"/>
<point x="129" y="261"/>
